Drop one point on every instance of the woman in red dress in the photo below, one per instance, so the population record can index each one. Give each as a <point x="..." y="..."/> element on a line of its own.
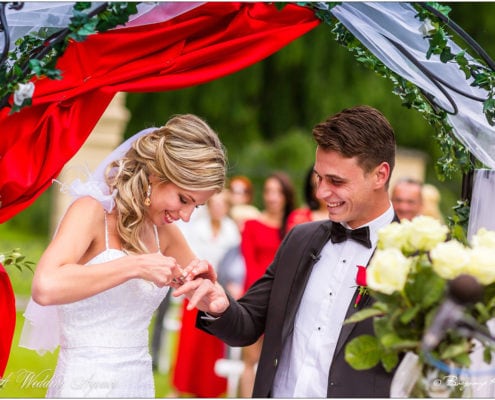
<point x="260" y="240"/>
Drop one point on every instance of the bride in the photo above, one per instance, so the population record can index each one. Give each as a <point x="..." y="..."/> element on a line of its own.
<point x="116" y="252"/>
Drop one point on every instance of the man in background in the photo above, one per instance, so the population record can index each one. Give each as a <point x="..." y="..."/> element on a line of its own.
<point x="407" y="198"/>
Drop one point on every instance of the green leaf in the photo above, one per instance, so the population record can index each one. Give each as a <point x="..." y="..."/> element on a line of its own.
<point x="362" y="315"/>
<point x="389" y="360"/>
<point x="454" y="350"/>
<point x="382" y="326"/>
<point x="462" y="359"/>
<point x="426" y="288"/>
<point x="394" y="342"/>
<point x="409" y="314"/>
<point x="363" y="352"/>
<point x="487" y="355"/>
<point x="444" y="9"/>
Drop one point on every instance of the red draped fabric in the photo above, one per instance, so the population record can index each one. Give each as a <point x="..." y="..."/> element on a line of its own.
<point x="7" y="318"/>
<point x="206" y="43"/>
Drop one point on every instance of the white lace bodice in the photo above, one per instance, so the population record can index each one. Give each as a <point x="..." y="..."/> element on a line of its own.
<point x="117" y="317"/>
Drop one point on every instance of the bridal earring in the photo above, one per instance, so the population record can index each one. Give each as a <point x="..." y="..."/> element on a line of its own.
<point x="147" y="200"/>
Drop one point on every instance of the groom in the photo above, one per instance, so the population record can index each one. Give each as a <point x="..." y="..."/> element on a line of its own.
<point x="309" y="289"/>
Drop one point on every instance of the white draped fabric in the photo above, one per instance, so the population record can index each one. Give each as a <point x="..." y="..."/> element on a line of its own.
<point x="56" y="15"/>
<point x="481" y="214"/>
<point x="377" y="25"/>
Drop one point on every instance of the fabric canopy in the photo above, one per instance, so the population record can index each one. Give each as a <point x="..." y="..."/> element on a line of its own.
<point x="205" y="43"/>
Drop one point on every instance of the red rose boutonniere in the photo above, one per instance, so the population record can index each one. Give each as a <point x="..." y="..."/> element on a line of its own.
<point x="361" y="282"/>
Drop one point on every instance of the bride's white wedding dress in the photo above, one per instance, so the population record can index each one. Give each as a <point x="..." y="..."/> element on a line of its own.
<point x="104" y="340"/>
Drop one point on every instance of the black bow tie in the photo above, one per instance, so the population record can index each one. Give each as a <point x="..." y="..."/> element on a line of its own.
<point x="361" y="235"/>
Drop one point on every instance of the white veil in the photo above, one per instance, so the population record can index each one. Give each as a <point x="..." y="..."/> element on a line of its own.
<point x="41" y="330"/>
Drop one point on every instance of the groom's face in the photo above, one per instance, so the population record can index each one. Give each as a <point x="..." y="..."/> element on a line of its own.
<point x="348" y="191"/>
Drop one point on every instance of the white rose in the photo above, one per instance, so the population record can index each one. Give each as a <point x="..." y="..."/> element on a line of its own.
<point x="426" y="232"/>
<point x="24" y="91"/>
<point x="482" y="265"/>
<point x="394" y="235"/>
<point x="387" y="271"/>
<point x="450" y="259"/>
<point x="427" y="27"/>
<point x="484" y="238"/>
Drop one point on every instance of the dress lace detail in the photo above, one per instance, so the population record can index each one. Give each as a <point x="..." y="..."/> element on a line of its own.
<point x="104" y="340"/>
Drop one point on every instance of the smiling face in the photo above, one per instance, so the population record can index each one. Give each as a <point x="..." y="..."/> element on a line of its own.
<point x="352" y="195"/>
<point x="170" y="203"/>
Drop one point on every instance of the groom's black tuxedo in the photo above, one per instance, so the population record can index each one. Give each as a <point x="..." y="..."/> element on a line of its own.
<point x="269" y="307"/>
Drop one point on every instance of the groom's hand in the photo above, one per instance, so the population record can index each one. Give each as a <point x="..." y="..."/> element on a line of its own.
<point x="205" y="295"/>
<point x="195" y="269"/>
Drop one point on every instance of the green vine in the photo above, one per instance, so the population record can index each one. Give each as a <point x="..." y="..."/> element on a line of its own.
<point x="458" y="222"/>
<point x="36" y="54"/>
<point x="14" y="258"/>
<point x="482" y="75"/>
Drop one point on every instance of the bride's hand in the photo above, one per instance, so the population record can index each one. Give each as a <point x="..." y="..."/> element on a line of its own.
<point x="159" y="269"/>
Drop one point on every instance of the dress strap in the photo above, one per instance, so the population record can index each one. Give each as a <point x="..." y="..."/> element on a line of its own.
<point x="157" y="238"/>
<point x="106" y="231"/>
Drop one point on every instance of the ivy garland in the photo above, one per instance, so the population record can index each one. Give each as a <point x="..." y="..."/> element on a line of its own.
<point x="37" y="53"/>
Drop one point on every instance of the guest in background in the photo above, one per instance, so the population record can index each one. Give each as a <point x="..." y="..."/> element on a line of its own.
<point x="407" y="198"/>
<point x="313" y="210"/>
<point x="241" y="196"/>
<point x="261" y="238"/>
<point x="232" y="267"/>
<point x="197" y="352"/>
<point x="241" y="190"/>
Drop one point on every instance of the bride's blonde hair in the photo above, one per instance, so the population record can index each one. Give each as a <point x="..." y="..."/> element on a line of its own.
<point x="185" y="151"/>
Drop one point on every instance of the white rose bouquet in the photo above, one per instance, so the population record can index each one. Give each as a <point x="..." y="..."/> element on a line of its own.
<point x="408" y="279"/>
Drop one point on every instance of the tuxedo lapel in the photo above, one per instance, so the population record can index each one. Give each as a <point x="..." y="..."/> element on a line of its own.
<point x="301" y="276"/>
<point x="347" y="328"/>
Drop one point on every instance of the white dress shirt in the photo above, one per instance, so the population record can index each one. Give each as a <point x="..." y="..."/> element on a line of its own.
<point x="304" y="364"/>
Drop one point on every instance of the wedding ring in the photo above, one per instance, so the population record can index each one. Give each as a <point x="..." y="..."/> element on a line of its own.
<point x="178" y="281"/>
